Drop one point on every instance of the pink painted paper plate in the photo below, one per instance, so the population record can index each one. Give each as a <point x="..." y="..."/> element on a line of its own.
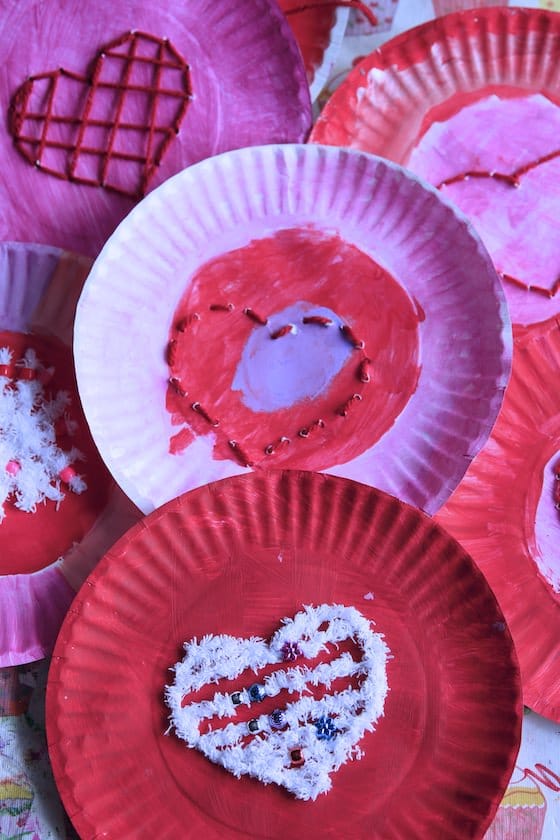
<point x="235" y="558"/>
<point x="292" y="306"/>
<point x="470" y="102"/>
<point x="504" y="512"/>
<point x="319" y="32"/>
<point x="46" y="554"/>
<point x="145" y="90"/>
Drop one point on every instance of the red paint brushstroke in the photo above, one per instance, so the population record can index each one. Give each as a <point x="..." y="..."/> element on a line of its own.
<point x="181" y="440"/>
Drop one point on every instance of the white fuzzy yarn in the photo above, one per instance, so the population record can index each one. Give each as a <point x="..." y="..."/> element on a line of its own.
<point x="266" y="754"/>
<point x="28" y="438"/>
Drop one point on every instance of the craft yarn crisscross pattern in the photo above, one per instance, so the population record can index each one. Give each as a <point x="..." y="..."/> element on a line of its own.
<point x="303" y="741"/>
<point x="127" y="111"/>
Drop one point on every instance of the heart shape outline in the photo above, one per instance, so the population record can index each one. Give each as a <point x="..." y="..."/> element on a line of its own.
<point x="156" y="137"/>
<point x="267" y="752"/>
<point x="239" y="453"/>
<point x="512" y="179"/>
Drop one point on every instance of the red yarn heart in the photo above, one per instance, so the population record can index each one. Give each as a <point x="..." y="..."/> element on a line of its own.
<point x="111" y="127"/>
<point x="511" y="179"/>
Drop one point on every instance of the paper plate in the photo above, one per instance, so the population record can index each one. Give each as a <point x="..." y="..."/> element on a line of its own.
<point x="319" y="33"/>
<point x="472" y="94"/>
<point x="239" y="60"/>
<point x="45" y="556"/>
<point x="235" y="557"/>
<point x="504" y="512"/>
<point x="399" y="391"/>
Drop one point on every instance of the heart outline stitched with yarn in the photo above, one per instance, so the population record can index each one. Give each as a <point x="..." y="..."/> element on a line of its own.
<point x="302" y="742"/>
<point x="111" y="127"/>
<point x="512" y="179"/>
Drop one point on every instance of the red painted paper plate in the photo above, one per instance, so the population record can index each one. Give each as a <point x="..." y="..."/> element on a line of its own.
<point x="504" y="512"/>
<point x="292" y="306"/>
<point x="319" y="32"/>
<point x="145" y="90"/>
<point x="235" y="557"/>
<point x="470" y="102"/>
<point x="52" y="529"/>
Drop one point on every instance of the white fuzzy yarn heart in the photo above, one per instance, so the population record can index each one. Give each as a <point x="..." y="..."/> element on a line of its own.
<point x="303" y="740"/>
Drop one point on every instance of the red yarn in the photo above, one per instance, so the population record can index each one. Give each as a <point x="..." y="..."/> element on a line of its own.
<point x="236" y="447"/>
<point x="512" y="179"/>
<point x="150" y="138"/>
<point x="281" y="331"/>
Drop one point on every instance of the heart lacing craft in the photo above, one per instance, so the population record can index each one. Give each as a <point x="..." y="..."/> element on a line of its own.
<point x="362" y="376"/>
<point x="511" y="179"/>
<point x="111" y="127"/>
<point x="298" y="742"/>
<point x="34" y="467"/>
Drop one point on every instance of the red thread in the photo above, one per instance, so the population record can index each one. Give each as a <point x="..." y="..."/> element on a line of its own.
<point x="318" y="319"/>
<point x="221" y="307"/>
<point x="509" y="279"/>
<point x="177" y="387"/>
<point x="171" y="352"/>
<point x="363" y="370"/>
<point x="258" y="319"/>
<point x="522" y="170"/>
<point x="203" y="413"/>
<point x="343" y="409"/>
<point x="281" y="331"/>
<point x="153" y="116"/>
<point x="348" y="4"/>
<point x="240" y="454"/>
<point x="184" y="323"/>
<point x="540" y="290"/>
<point x="307" y="430"/>
<point x="475" y="173"/>
<point x="152" y="137"/>
<point x="351" y="337"/>
<point x="273" y="447"/>
<point x="512" y="179"/>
